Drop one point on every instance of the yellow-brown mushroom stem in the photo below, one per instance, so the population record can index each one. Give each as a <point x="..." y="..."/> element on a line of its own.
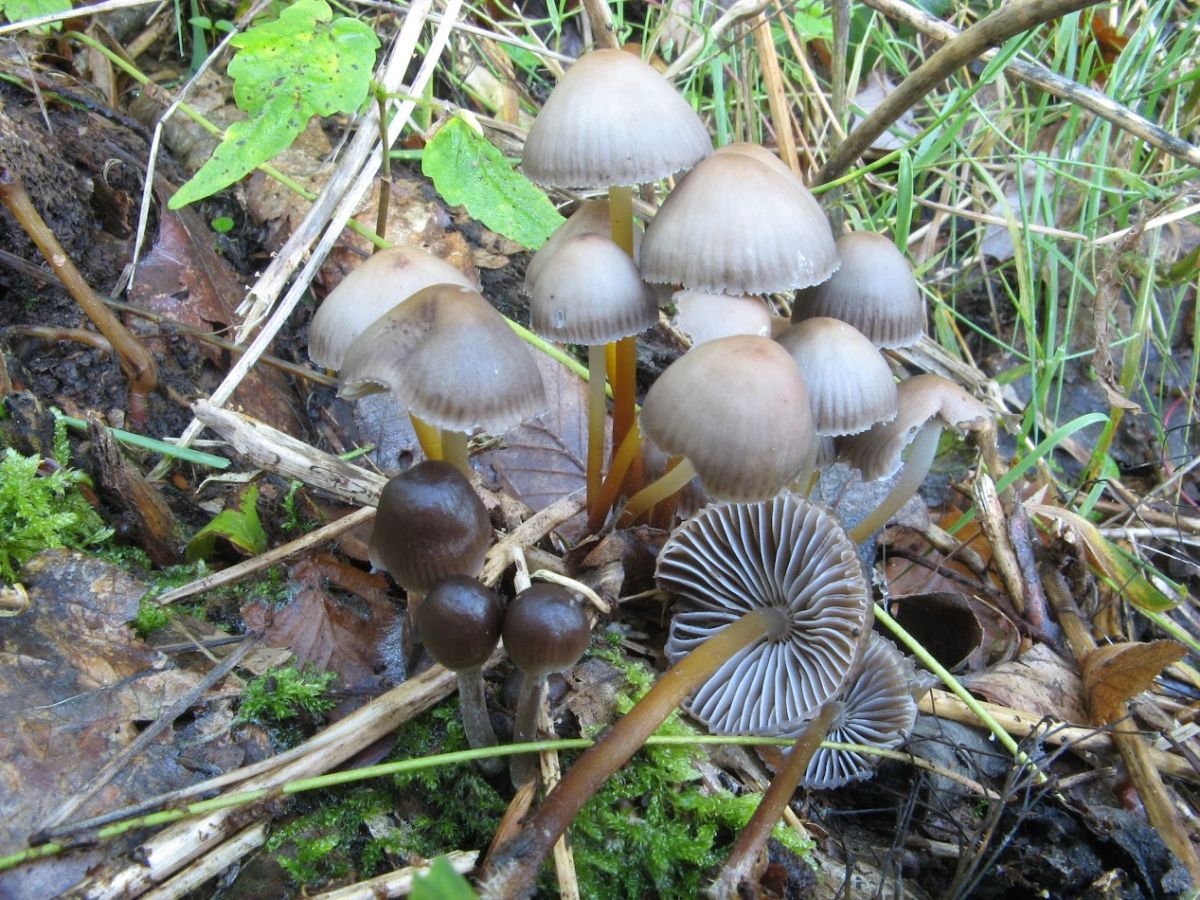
<point x="454" y="450"/>
<point x="620" y="204"/>
<point x="672" y="481"/>
<point x="597" y="412"/>
<point x="428" y="436"/>
<point x="629" y="448"/>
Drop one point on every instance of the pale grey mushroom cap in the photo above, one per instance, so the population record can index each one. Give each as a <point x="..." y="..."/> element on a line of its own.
<point x="734" y="558"/>
<point x="849" y="382"/>
<point x="737" y="408"/>
<point x="592" y="217"/>
<point x="878" y="710"/>
<point x="705" y="317"/>
<point x="612" y="120"/>
<point x="738" y="225"/>
<point x="380" y="282"/>
<point x="590" y="293"/>
<point x="877" y="452"/>
<point x="450" y="359"/>
<point x="874" y="290"/>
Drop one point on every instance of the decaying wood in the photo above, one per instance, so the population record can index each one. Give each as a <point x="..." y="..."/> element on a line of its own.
<point x="399" y="882"/>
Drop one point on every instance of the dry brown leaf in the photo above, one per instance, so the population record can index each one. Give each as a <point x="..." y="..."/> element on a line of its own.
<point x="1039" y="682"/>
<point x="1115" y="673"/>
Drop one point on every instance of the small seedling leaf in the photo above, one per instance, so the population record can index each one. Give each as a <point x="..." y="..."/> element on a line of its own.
<point x="468" y="171"/>
<point x="19" y="10"/>
<point x="441" y="882"/>
<point x="287" y="70"/>
<point x="240" y="527"/>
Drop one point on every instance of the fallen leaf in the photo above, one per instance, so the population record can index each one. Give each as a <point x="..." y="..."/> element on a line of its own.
<point x="1039" y="682"/>
<point x="1114" y="673"/>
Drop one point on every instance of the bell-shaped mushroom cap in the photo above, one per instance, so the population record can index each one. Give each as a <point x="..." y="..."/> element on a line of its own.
<point x="706" y="317"/>
<point x="459" y="621"/>
<point x="878" y="710"/>
<point x="849" y="382"/>
<point x="546" y="629"/>
<point x="786" y="553"/>
<point x="874" y="291"/>
<point x="877" y="452"/>
<point x="451" y="359"/>
<point x="379" y="283"/>
<point x="738" y="225"/>
<point x="590" y="293"/>
<point x="430" y="525"/>
<point x="737" y="408"/>
<point x="592" y="217"/>
<point x="612" y="120"/>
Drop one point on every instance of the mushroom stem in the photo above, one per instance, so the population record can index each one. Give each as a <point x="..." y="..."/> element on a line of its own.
<point x="476" y="723"/>
<point x="428" y="436"/>
<point x="512" y="870"/>
<point x="597" y="409"/>
<point x="616" y="476"/>
<point x="672" y="481"/>
<point x="805" y="482"/>
<point x="620" y="205"/>
<point x="920" y="457"/>
<point x="754" y="836"/>
<point x="454" y="450"/>
<point x="533" y="690"/>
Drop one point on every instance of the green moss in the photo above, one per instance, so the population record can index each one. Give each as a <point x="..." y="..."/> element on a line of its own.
<point x="286" y="693"/>
<point x="150" y="617"/>
<point x="331" y="841"/>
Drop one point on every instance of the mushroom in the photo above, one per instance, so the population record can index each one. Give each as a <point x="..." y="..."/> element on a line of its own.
<point x="589" y="292"/>
<point x="459" y="621"/>
<point x="705" y="317"/>
<point x="430" y="525"/>
<point x="545" y="630"/>
<point x="613" y="122"/>
<point x="926" y="404"/>
<point x="874" y="290"/>
<point x="452" y="360"/>
<point x="590" y="218"/>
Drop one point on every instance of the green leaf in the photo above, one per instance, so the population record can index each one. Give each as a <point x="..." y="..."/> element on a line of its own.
<point x="240" y="527"/>
<point x="18" y="10"/>
<point x="812" y="22"/>
<point x="287" y="70"/>
<point x="468" y="171"/>
<point x="441" y="882"/>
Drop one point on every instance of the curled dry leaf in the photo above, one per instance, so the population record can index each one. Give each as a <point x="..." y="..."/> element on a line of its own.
<point x="1115" y="673"/>
<point x="1040" y="683"/>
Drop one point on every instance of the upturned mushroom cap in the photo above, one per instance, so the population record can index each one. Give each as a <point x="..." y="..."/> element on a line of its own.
<point x="451" y="359"/>
<point x="705" y="317"/>
<point x="877" y="452"/>
<point x="738" y="409"/>
<point x="878" y="710"/>
<point x="375" y="286"/>
<point x="590" y="293"/>
<point x="874" y="290"/>
<point x="592" y="217"/>
<point x="612" y="120"/>
<point x="733" y="558"/>
<point x="459" y="621"/>
<point x="848" y="380"/>
<point x="738" y="225"/>
<point x="546" y="629"/>
<point x="430" y="525"/>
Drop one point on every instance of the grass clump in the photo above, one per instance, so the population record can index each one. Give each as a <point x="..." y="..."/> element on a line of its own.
<point x="38" y="512"/>
<point x="286" y="693"/>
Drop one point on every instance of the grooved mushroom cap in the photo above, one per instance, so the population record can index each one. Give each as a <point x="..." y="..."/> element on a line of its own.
<point x="874" y="291"/>
<point x="451" y="359"/>
<point x="375" y="286"/>
<point x="734" y="558"/>
<point x="592" y="217"/>
<point x="430" y="525"/>
<point x="459" y="621"/>
<point x="738" y="409"/>
<point x="590" y="293"/>
<point x="878" y="710"/>
<point x="705" y="317"/>
<point x="546" y="629"/>
<point x="612" y="120"/>
<point x="877" y="452"/>
<point x="849" y="382"/>
<point x="736" y="224"/>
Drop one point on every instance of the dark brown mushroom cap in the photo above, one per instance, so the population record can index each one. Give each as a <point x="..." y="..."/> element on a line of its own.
<point x="459" y="621"/>
<point x="546" y="629"/>
<point x="786" y="553"/>
<point x="590" y="293"/>
<point x="612" y="120"/>
<point x="738" y="225"/>
<point x="451" y="359"/>
<point x="849" y="382"/>
<point x="874" y="290"/>
<point x="737" y="408"/>
<point x="375" y="286"/>
<point x="592" y="217"/>
<point x="430" y="525"/>
<point x="705" y="317"/>
<point x="878" y="710"/>
<point x="877" y="452"/>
